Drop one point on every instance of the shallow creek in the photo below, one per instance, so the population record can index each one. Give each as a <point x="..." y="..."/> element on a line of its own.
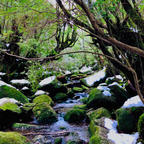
<point x="45" y="134"/>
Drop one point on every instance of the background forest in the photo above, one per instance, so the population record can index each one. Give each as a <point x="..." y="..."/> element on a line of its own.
<point x="65" y="47"/>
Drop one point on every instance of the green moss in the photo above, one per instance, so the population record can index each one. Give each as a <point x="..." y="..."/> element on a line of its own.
<point x="92" y="128"/>
<point x="58" y="141"/>
<point x="120" y="94"/>
<point x="95" y="140"/>
<point x="10" y="106"/>
<point x="84" y="100"/>
<point x="22" y="126"/>
<point x="71" y="142"/>
<point x="97" y="134"/>
<point x="75" y="115"/>
<point x="12" y="138"/>
<point x="100" y="112"/>
<point x="44" y="113"/>
<point x="59" y="97"/>
<point x="140" y="127"/>
<point x="125" y="120"/>
<point x="6" y="91"/>
<point x="128" y="118"/>
<point x="43" y="98"/>
<point x="80" y="107"/>
<point x="77" y="89"/>
<point x="96" y="100"/>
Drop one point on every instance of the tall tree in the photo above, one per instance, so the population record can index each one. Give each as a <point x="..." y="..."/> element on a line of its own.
<point x="117" y="29"/>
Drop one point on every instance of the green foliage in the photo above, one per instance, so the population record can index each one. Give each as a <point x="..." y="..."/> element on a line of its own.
<point x="12" y="138"/>
<point x="6" y="91"/>
<point x="35" y="73"/>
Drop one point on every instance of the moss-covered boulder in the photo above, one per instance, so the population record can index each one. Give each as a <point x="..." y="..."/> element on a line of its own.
<point x="140" y="128"/>
<point x="60" y="97"/>
<point x="119" y="94"/>
<point x="95" y="79"/>
<point x="12" y="138"/>
<point x="52" y="85"/>
<point x="96" y="99"/>
<point x="44" y="113"/>
<point x="9" y="113"/>
<point x="98" y="134"/>
<point x="76" y="115"/>
<point x="99" y="113"/>
<point x="11" y="107"/>
<point x="128" y="118"/>
<point x="6" y="91"/>
<point x="43" y="98"/>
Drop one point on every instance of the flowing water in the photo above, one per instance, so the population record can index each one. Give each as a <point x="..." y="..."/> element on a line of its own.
<point x="45" y="134"/>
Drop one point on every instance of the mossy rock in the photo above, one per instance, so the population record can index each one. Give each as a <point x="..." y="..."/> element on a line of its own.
<point x="92" y="128"/>
<point x="96" y="100"/>
<point x="95" y="79"/>
<point x="11" y="107"/>
<point x="6" y="91"/>
<point x="12" y="138"/>
<point x="119" y="94"/>
<point x="128" y="118"/>
<point x="140" y="128"/>
<point x="99" y="113"/>
<point x="75" y="115"/>
<point x="77" y="89"/>
<point x="9" y="114"/>
<point x="58" y="141"/>
<point x="44" y="113"/>
<point x="53" y="87"/>
<point x="98" y="134"/>
<point x="43" y="98"/>
<point x="60" y="97"/>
